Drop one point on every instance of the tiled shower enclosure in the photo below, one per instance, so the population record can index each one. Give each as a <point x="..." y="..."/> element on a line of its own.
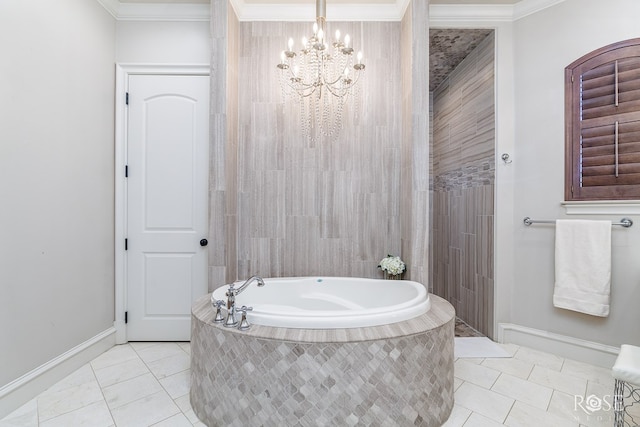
<point x="462" y="176"/>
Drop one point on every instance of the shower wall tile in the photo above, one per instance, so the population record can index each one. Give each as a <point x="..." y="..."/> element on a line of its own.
<point x="467" y="101"/>
<point x="463" y="188"/>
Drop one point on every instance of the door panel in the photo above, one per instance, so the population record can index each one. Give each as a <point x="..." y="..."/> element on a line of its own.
<point x="166" y="283"/>
<point x="167" y="198"/>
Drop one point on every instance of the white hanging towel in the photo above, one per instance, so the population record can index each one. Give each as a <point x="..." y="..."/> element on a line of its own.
<point x="583" y="266"/>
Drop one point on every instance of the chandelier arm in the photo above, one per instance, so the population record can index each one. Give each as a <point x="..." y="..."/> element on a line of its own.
<point x="299" y="86"/>
<point x="333" y="83"/>
<point x="338" y="92"/>
<point x="304" y="91"/>
<point x="343" y="90"/>
<point x="302" y="88"/>
<point x="334" y="88"/>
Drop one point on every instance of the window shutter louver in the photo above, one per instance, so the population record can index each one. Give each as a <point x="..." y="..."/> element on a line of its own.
<point x="603" y="124"/>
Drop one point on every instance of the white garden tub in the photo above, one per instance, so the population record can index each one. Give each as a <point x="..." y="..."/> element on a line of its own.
<point x="330" y="302"/>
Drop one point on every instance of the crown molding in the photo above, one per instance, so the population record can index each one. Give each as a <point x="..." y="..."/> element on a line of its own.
<point x="157" y="11"/>
<point x="110" y="6"/>
<point x="528" y="7"/>
<point x="307" y="12"/>
<point x="447" y="13"/>
<point x="438" y="13"/>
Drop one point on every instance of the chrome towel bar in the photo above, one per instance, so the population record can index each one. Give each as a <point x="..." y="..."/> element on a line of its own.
<point x="625" y="222"/>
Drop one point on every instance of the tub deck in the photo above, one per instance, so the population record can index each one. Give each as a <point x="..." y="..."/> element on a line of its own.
<point x="440" y="313"/>
<point x="398" y="374"/>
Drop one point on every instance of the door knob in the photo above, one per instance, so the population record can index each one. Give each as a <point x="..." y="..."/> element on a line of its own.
<point x="204" y="242"/>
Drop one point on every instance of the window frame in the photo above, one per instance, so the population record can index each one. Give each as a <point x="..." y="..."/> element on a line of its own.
<point x="574" y="191"/>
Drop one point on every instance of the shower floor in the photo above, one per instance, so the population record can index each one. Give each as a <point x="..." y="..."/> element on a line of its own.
<point x="464" y="330"/>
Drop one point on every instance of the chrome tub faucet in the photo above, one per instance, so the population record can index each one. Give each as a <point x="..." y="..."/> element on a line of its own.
<point x="232" y="292"/>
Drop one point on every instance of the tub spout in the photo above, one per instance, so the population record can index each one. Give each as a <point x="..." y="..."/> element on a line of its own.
<point x="248" y="282"/>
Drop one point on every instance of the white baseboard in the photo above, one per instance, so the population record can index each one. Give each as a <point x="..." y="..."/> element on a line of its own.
<point x="21" y="390"/>
<point x="121" y="332"/>
<point x="565" y="346"/>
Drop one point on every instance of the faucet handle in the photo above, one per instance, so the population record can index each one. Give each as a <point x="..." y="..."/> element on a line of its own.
<point x="244" y="323"/>
<point x="231" y="291"/>
<point x="218" y="305"/>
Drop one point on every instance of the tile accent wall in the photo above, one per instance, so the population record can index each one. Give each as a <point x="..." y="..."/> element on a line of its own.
<point x="414" y="203"/>
<point x="463" y="188"/>
<point x="282" y="205"/>
<point x="317" y="207"/>
<point x="223" y="150"/>
<point x="301" y="207"/>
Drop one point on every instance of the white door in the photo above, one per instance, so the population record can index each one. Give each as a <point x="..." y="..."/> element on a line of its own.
<point x="167" y="203"/>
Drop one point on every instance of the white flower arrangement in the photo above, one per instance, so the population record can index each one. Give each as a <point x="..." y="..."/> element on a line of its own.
<point x="392" y="265"/>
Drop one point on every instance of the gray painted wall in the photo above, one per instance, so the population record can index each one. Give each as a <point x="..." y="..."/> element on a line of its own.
<point x="56" y="179"/>
<point x="544" y="44"/>
<point x="163" y="42"/>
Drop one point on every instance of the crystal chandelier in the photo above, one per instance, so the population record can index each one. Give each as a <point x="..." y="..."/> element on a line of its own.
<point x="320" y="76"/>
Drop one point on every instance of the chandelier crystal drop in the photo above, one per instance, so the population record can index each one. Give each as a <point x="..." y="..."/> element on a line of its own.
<point x="320" y="76"/>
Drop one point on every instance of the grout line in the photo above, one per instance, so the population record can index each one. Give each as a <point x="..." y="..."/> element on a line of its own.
<point x="509" y="412"/>
<point x="170" y="416"/>
<point x="468" y="416"/>
<point x="102" y="392"/>
<point x="79" y="408"/>
<point x="550" y="399"/>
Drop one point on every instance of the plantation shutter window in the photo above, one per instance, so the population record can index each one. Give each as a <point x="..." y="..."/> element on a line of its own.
<point x="602" y="115"/>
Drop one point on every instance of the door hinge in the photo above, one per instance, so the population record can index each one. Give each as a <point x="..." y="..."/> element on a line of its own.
<point x="126" y="244"/>
<point x="126" y="171"/>
<point x="572" y="190"/>
<point x="128" y="94"/>
<point x="126" y="98"/>
<point x="126" y="317"/>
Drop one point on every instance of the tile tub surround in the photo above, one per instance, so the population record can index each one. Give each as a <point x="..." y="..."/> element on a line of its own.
<point x="398" y="374"/>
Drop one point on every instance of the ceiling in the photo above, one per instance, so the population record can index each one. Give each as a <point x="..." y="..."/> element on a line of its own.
<point x="166" y="1"/>
<point x="331" y="1"/>
<point x="474" y="1"/>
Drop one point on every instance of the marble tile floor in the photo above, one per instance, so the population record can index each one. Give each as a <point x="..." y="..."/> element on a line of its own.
<point x="147" y="384"/>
